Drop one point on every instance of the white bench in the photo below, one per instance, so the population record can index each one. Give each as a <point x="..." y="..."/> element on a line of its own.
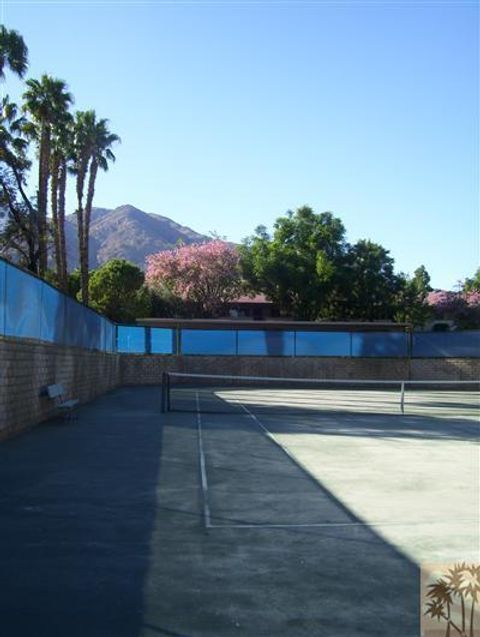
<point x="64" y="406"/>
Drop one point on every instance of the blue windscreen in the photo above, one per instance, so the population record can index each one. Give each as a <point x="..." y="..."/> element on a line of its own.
<point x="214" y="342"/>
<point x="23" y="301"/>
<point x="131" y="339"/>
<point x="75" y="330"/>
<point x="394" y="344"/>
<point x="31" y="308"/>
<point x="93" y="325"/>
<point x="446" y="344"/>
<point x="265" y="343"/>
<point x="52" y="315"/>
<point x="3" y="300"/>
<point x="322" y="344"/>
<point x="162" y="340"/>
<point x="108" y="337"/>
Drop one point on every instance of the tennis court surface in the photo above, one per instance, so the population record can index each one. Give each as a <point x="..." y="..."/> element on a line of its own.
<point x="248" y="511"/>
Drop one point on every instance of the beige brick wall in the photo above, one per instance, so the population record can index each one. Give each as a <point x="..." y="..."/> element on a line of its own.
<point x="26" y="367"/>
<point x="139" y="369"/>
<point x="445" y="369"/>
<point x="148" y="369"/>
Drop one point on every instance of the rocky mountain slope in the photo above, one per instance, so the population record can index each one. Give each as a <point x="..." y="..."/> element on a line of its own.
<point x="127" y="233"/>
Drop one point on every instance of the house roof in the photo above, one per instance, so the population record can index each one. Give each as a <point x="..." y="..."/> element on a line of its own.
<point x="279" y="324"/>
<point x="245" y="299"/>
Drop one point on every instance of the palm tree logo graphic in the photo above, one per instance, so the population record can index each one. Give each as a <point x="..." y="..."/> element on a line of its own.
<point x="453" y="600"/>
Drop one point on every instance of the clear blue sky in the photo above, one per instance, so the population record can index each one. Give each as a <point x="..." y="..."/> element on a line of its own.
<point x="231" y="113"/>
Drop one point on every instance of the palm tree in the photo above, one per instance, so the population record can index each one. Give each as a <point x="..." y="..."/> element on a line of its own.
<point x="21" y="230"/>
<point x="46" y="100"/>
<point x="13" y="52"/>
<point x="93" y="150"/>
<point x="13" y="144"/>
<point x="83" y="134"/>
<point x="101" y="155"/>
<point x="62" y="136"/>
<point x="441" y="596"/>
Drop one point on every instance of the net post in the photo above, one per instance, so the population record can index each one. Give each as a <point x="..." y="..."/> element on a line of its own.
<point x="168" y="391"/>
<point x="402" y="397"/>
<point x="164" y="388"/>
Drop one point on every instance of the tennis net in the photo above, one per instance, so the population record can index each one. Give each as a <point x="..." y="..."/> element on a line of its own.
<point x="216" y="393"/>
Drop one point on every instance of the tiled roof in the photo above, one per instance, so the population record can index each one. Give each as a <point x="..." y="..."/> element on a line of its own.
<point x="258" y="298"/>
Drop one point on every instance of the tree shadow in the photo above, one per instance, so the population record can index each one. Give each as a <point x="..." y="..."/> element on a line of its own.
<point x="283" y="554"/>
<point x="78" y="504"/>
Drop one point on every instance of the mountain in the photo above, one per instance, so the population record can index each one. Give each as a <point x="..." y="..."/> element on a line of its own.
<point x="127" y="233"/>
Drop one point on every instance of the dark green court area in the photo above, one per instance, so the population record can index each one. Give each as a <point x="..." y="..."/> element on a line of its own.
<point x="111" y="526"/>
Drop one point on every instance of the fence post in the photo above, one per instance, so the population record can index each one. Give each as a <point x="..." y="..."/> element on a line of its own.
<point x="177" y="338"/>
<point x="162" y="403"/>
<point x="168" y="391"/>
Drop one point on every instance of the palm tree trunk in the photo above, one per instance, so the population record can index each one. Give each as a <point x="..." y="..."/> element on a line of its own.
<point x="62" y="186"/>
<point x="88" y="211"/>
<point x="81" y="254"/>
<point x="80" y="185"/>
<point x="472" y="617"/>
<point x="82" y="170"/>
<point x="55" y="221"/>
<point x="43" y="177"/>
<point x="32" y="263"/>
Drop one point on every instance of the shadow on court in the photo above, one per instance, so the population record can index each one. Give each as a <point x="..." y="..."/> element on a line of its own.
<point x="282" y="556"/>
<point x="103" y="533"/>
<point x="77" y="507"/>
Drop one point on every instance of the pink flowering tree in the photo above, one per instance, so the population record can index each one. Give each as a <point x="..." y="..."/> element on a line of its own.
<point x="472" y="298"/>
<point x="461" y="307"/>
<point x="445" y="304"/>
<point x="205" y="277"/>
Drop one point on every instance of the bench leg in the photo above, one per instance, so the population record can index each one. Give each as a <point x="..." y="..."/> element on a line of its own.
<point x="70" y="415"/>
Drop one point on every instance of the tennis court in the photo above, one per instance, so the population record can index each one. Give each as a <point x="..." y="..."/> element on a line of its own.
<point x="249" y="511"/>
<point x="317" y="506"/>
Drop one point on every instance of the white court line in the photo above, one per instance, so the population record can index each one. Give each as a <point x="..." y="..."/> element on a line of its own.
<point x="207" y="514"/>
<point x="203" y="469"/>
<point x="338" y="524"/>
<point x="279" y="445"/>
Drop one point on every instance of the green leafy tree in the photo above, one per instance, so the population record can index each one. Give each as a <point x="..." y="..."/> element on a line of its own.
<point x="117" y="291"/>
<point x="412" y="303"/>
<point x="296" y="267"/>
<point x="369" y="285"/>
<point x="73" y="283"/>
<point x="472" y="284"/>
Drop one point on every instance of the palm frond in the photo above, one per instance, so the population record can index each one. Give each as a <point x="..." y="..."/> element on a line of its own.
<point x="13" y="52"/>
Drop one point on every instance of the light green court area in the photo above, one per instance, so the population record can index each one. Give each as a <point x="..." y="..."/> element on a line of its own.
<point x="279" y="519"/>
